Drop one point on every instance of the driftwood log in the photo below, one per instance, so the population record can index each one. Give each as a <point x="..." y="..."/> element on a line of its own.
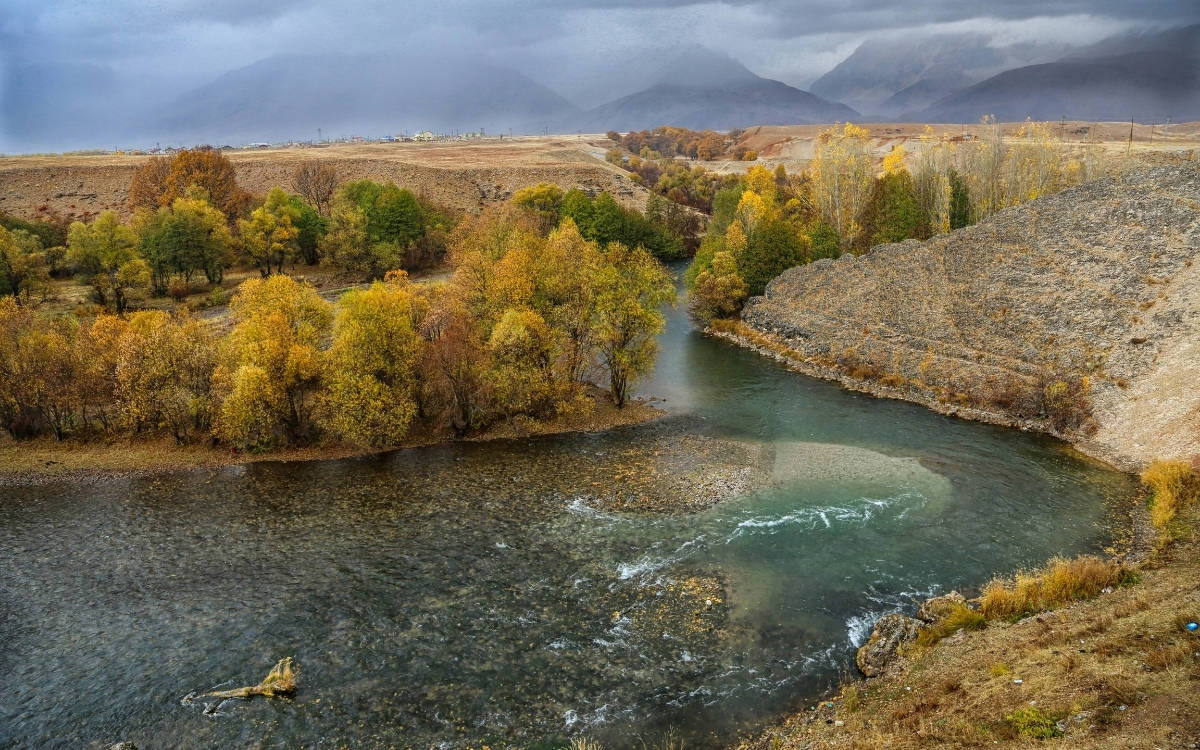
<point x="281" y="680"/>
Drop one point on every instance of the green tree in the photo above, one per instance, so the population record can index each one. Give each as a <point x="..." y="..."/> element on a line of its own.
<point x="105" y="252"/>
<point x="311" y="226"/>
<point x="892" y="214"/>
<point x="960" y="202"/>
<point x="187" y="237"/>
<point x="268" y="237"/>
<point x="773" y="248"/>
<point x="631" y="288"/>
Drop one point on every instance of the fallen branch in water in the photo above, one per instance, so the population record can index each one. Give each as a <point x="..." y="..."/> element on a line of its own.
<point x="281" y="680"/>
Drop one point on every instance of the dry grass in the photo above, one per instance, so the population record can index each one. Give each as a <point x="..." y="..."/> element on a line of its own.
<point x="961" y="617"/>
<point x="1061" y="581"/>
<point x="281" y="680"/>
<point x="1173" y="486"/>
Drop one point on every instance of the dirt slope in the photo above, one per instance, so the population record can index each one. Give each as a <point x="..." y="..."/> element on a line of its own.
<point x="465" y="176"/>
<point x="1098" y="281"/>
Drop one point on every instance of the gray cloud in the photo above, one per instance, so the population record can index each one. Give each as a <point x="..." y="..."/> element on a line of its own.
<point x="157" y="45"/>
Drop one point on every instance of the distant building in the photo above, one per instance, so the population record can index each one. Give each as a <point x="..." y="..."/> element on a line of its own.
<point x="424" y="135"/>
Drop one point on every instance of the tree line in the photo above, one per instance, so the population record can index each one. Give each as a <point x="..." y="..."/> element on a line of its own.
<point x="529" y="315"/>
<point x="766" y="222"/>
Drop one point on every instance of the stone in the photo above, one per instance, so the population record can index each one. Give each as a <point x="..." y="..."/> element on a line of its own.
<point x="889" y="634"/>
<point x="934" y="609"/>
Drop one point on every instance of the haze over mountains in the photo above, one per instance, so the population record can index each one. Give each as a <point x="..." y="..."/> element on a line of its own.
<point x="938" y="78"/>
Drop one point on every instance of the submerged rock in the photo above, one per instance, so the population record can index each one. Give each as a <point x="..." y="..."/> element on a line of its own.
<point x="890" y="633"/>
<point x="938" y="607"/>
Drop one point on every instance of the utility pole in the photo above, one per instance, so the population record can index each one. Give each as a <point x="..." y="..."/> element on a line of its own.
<point x="318" y="135"/>
<point x="1130" y="146"/>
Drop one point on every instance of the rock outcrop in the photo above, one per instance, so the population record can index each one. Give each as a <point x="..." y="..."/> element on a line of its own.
<point x="1096" y="287"/>
<point x="889" y="634"/>
<point x="938" y="607"/>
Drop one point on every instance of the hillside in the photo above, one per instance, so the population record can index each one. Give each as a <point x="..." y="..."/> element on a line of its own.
<point x="1097" y="282"/>
<point x="465" y="176"/>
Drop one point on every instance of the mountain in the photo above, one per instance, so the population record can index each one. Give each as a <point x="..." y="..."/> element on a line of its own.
<point x="590" y="81"/>
<point x="1148" y="77"/>
<point x="889" y="76"/>
<point x="290" y="96"/>
<point x="717" y="107"/>
<point x="697" y="88"/>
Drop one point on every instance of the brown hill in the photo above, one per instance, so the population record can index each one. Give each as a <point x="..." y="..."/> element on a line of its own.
<point x="462" y="175"/>
<point x="1096" y="287"/>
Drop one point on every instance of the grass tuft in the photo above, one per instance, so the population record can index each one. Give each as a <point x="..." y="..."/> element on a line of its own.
<point x="1061" y="581"/>
<point x="1173" y="486"/>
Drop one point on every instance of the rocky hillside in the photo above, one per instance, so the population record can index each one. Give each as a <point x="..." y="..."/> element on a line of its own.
<point x="1077" y="314"/>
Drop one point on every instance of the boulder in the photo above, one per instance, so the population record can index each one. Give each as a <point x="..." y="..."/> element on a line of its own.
<point x="938" y="607"/>
<point x="889" y="634"/>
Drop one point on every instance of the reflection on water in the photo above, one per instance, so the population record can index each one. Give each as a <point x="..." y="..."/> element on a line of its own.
<point x="482" y="592"/>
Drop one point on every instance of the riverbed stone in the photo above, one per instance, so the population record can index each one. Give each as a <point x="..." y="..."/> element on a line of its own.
<point x="938" y="607"/>
<point x="889" y="634"/>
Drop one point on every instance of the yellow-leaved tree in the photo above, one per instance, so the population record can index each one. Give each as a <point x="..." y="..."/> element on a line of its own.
<point x="842" y="178"/>
<point x="164" y="368"/>
<point x="371" y="366"/>
<point x="631" y="288"/>
<point x="270" y="370"/>
<point x="269" y="236"/>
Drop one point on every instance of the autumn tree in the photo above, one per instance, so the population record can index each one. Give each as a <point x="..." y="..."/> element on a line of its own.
<point x="268" y="237"/>
<point x="161" y="180"/>
<point x="316" y="181"/>
<point x="270" y="372"/>
<point x="371" y="365"/>
<point x="311" y="227"/>
<point x="376" y="227"/>
<point x="105" y="252"/>
<point x="842" y="179"/>
<point x="718" y="291"/>
<point x="164" y="369"/>
<point x="543" y="201"/>
<point x="23" y="268"/>
<point x="631" y="287"/>
<point x="149" y="184"/>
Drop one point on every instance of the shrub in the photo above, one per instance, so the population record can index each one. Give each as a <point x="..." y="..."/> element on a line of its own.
<point x="178" y="289"/>
<point x="1034" y="722"/>
<point x="1173" y="485"/>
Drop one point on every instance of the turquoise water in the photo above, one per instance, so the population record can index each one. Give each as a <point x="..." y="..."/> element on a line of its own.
<point x="474" y="593"/>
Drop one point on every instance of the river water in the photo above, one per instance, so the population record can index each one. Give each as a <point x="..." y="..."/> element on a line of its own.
<point x="482" y="594"/>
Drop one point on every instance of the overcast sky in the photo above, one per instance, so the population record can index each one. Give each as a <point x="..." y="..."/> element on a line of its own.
<point x="193" y="40"/>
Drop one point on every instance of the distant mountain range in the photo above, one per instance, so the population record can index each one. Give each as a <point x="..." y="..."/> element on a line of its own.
<point x="1146" y="77"/>
<point x="944" y="78"/>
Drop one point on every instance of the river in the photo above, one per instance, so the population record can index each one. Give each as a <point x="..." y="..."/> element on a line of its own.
<point x="481" y="593"/>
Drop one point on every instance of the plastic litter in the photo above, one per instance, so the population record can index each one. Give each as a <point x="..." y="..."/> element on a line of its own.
<point x="1193" y="626"/>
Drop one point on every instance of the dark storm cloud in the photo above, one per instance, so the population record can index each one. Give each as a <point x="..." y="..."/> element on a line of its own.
<point x="147" y="48"/>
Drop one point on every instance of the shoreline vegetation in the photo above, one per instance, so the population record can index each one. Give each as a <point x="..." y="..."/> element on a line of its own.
<point x="44" y="460"/>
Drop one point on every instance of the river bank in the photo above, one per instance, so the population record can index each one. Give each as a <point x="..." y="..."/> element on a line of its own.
<point x="1117" y="670"/>
<point x="30" y="462"/>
